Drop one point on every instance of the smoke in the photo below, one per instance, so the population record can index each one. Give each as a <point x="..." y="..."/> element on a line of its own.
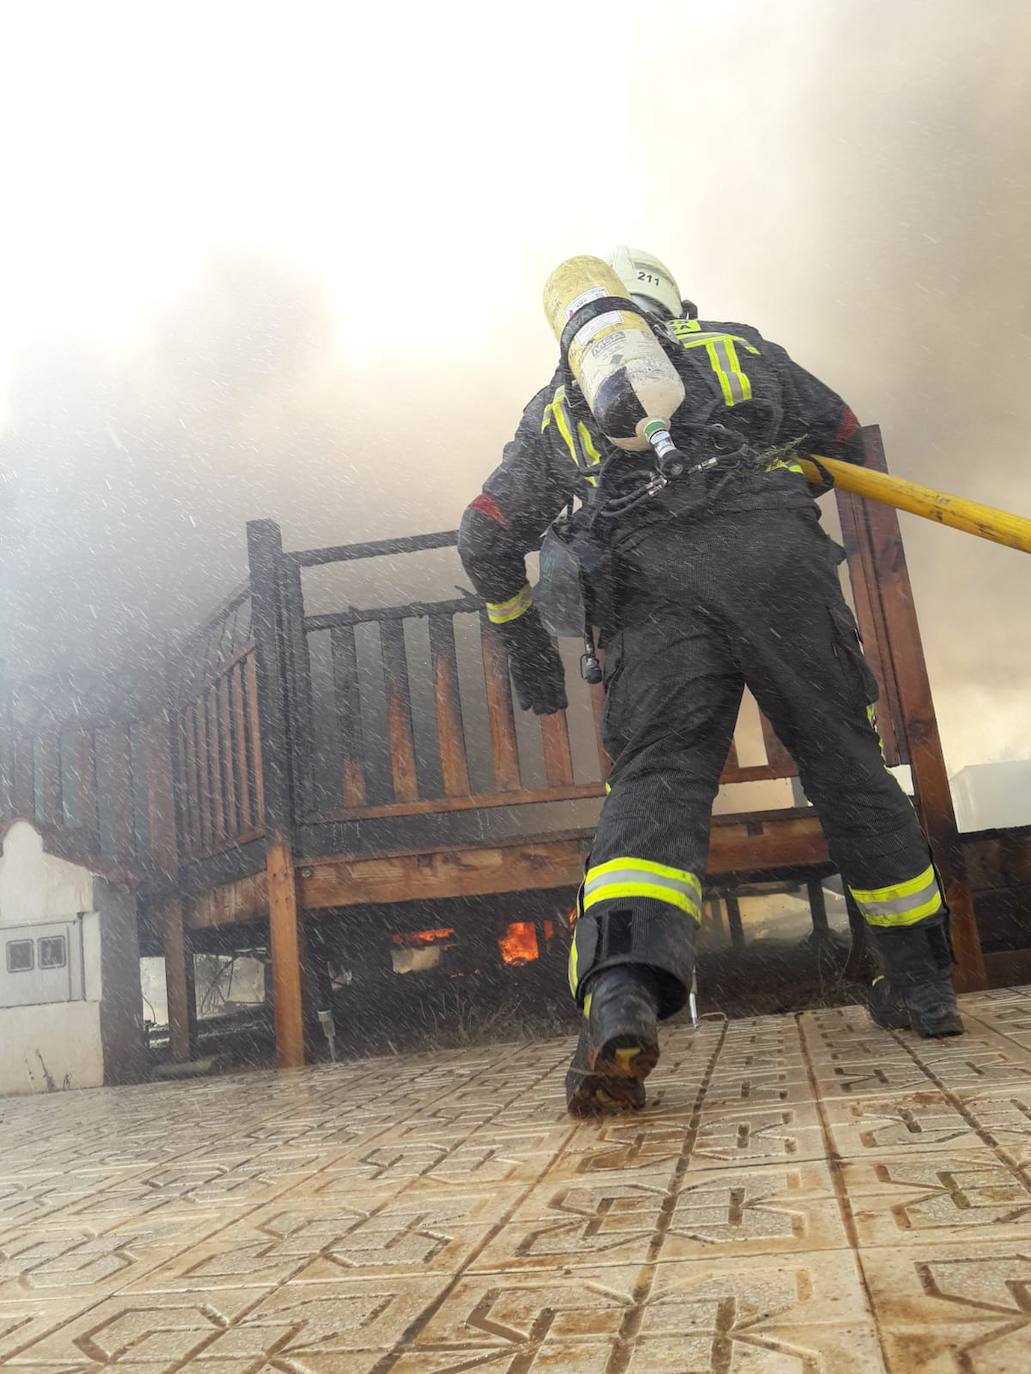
<point x="852" y="179"/>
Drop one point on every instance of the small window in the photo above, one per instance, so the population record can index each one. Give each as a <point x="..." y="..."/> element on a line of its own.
<point x="19" y="956"/>
<point x="52" y="952"/>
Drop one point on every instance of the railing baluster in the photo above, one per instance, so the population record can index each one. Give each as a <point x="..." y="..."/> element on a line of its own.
<point x="348" y="712"/>
<point x="399" y="711"/>
<point x="218" y="819"/>
<point x="558" y="759"/>
<point x="121" y="794"/>
<point x="24" y="777"/>
<point x="240" y="751"/>
<point x="503" y="742"/>
<point x="203" y="779"/>
<point x="776" y="755"/>
<point x="228" y="749"/>
<point x="48" y="760"/>
<point x="255" y="740"/>
<point x="454" y="765"/>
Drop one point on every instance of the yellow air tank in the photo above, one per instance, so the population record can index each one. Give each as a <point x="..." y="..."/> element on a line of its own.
<point x="626" y="378"/>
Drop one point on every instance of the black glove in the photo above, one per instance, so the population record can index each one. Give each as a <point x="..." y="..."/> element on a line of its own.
<point x="537" y="671"/>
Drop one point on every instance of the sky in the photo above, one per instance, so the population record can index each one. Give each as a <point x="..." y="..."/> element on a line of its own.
<point x="286" y="260"/>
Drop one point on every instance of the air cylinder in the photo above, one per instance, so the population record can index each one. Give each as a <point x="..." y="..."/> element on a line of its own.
<point x="626" y="378"/>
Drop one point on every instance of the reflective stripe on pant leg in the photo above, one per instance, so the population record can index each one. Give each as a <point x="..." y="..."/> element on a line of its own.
<point x="901" y="904"/>
<point x="621" y="878"/>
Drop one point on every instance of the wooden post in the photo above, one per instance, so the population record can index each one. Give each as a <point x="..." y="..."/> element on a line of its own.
<point x="265" y="557"/>
<point x="159" y="765"/>
<point x="737" y="930"/>
<point x="818" y="908"/>
<point x="930" y="777"/>
<point x="179" y="984"/>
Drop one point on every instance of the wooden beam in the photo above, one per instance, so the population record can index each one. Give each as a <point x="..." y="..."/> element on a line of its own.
<point x="239" y="902"/>
<point x="243" y="744"/>
<point x="158" y="768"/>
<point x="927" y="761"/>
<point x="795" y="842"/>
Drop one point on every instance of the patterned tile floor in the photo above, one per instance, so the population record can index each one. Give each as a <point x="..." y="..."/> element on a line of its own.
<point x="804" y="1195"/>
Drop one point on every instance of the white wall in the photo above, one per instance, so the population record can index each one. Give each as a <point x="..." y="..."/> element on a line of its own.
<point x="48" y="1048"/>
<point x="56" y="1044"/>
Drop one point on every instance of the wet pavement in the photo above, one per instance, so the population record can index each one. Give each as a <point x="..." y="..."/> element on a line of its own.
<point x="804" y="1195"/>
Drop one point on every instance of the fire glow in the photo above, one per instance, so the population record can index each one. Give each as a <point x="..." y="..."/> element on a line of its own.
<point x="518" y="945"/>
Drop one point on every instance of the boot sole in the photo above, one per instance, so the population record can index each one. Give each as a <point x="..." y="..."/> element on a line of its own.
<point x="625" y="1057"/>
<point x="938" y="1030"/>
<point x="591" y="1094"/>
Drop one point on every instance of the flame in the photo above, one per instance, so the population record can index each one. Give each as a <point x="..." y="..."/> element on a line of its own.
<point x="518" y="945"/>
<point x="421" y="937"/>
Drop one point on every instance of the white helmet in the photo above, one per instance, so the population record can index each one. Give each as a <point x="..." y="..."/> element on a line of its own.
<point x="642" y="274"/>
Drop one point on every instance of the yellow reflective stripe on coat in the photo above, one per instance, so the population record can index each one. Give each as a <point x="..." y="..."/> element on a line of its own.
<point x="621" y="878"/>
<point x="723" y="357"/>
<point x="556" y="410"/>
<point x="785" y="464"/>
<point x="901" y="904"/>
<point x="501" y="612"/>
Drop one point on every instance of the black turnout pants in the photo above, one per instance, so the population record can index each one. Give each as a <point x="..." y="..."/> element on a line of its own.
<point x="715" y="605"/>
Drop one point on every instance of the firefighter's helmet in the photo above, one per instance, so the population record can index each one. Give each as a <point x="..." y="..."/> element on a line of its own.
<point x="642" y="274"/>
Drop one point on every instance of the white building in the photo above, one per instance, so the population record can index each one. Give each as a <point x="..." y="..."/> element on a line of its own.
<point x="990" y="795"/>
<point x="70" y="1006"/>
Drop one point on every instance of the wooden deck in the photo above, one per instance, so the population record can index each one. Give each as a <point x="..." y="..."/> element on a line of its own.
<point x="316" y="761"/>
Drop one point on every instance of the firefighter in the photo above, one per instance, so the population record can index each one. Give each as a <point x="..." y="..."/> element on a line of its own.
<point x="721" y="579"/>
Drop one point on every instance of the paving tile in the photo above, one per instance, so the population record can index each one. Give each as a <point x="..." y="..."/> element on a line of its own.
<point x="760" y="1313"/>
<point x="625" y="1146"/>
<point x="28" y="1318"/>
<point x="80" y="1258"/>
<point x="772" y="1209"/>
<point x="957" y="1308"/>
<point x="550" y="1357"/>
<point x="520" y="1310"/>
<point x="937" y="1197"/>
<point x="774" y="1135"/>
<point x="1003" y="1114"/>
<point x="441" y="1213"/>
<point x="897" y="1125"/>
<point x="156" y="1333"/>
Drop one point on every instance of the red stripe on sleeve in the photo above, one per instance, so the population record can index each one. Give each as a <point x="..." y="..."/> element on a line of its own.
<point x="487" y="506"/>
<point x="848" y="424"/>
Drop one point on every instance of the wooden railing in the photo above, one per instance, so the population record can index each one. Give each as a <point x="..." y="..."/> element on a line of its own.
<point x="399" y="718"/>
<point x="218" y="761"/>
<point x="217" y="757"/>
<point x="83" y="785"/>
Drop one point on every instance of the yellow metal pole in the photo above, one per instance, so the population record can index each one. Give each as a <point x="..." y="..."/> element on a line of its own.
<point x="985" y="521"/>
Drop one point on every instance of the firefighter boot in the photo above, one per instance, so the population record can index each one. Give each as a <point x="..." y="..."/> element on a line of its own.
<point x="618" y="1045"/>
<point x="916" y="989"/>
